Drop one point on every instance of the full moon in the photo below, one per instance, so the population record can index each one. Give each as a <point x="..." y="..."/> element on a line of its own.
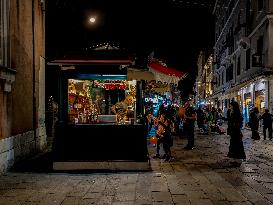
<point x="92" y="20"/>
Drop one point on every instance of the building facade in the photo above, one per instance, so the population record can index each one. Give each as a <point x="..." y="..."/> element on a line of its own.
<point x="22" y="130"/>
<point x="205" y="80"/>
<point x="243" y="54"/>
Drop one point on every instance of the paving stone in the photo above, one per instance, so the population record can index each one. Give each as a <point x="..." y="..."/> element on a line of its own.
<point x="162" y="196"/>
<point x="197" y="176"/>
<point x="8" y="201"/>
<point x="105" y="200"/>
<point x="124" y="203"/>
<point x="125" y="196"/>
<point x="269" y="186"/>
<point x="181" y="199"/>
<point x="143" y="202"/>
<point x="92" y="195"/>
<point x="201" y="201"/>
<point x="159" y="187"/>
<point x="144" y="196"/>
<point x="269" y="197"/>
<point x="232" y="195"/>
<point x="88" y="201"/>
<point x="220" y="202"/>
<point x="72" y="201"/>
<point x="242" y="203"/>
<point x="162" y="203"/>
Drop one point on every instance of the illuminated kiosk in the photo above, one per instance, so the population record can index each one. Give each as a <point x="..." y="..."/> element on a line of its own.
<point x="88" y="135"/>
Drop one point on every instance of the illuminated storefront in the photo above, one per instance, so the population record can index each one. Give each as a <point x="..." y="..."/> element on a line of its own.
<point x="90" y="101"/>
<point x="99" y="114"/>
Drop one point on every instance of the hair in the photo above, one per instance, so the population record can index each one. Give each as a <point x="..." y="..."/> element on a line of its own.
<point x="235" y="106"/>
<point x="236" y="111"/>
<point x="256" y="109"/>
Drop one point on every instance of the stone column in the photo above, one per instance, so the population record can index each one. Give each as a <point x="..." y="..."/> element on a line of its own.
<point x="266" y="93"/>
<point x="270" y="95"/>
<point x="41" y="131"/>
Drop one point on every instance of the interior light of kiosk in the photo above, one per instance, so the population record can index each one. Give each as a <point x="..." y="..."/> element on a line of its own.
<point x="101" y="77"/>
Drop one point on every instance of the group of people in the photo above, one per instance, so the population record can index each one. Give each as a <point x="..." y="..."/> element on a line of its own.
<point x="254" y="122"/>
<point x="189" y="116"/>
<point x="209" y="119"/>
<point x="165" y="124"/>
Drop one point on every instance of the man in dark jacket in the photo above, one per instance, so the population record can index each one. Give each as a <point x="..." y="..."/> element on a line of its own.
<point x="254" y="123"/>
<point x="267" y="123"/>
<point x="189" y="123"/>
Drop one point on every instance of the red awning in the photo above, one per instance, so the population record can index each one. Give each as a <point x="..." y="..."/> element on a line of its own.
<point x="164" y="73"/>
<point x="166" y="70"/>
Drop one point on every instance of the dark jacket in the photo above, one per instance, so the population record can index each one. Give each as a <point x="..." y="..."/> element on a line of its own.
<point x="267" y="119"/>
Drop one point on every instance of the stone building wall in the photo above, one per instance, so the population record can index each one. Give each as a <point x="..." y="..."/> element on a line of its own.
<point x="22" y="129"/>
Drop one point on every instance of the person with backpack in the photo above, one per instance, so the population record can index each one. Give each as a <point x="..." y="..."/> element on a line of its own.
<point x="267" y="123"/>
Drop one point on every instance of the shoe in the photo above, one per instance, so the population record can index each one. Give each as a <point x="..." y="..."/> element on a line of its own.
<point x="188" y="148"/>
<point x="235" y="164"/>
<point x="167" y="159"/>
<point x="157" y="156"/>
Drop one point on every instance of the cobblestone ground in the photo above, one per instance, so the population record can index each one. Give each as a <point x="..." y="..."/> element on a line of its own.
<point x="200" y="176"/>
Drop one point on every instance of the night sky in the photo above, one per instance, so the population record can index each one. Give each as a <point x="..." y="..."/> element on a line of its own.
<point x="175" y="30"/>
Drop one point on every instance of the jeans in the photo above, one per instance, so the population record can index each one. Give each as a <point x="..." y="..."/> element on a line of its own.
<point x="190" y="135"/>
<point x="269" y="131"/>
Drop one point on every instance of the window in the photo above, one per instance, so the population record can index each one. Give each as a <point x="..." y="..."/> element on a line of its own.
<point x="248" y="59"/>
<point x="231" y="72"/>
<point x="260" y="45"/>
<point x="223" y="78"/>
<point x="238" y="66"/>
<point x="4" y="32"/>
<point x="98" y="100"/>
<point x="260" y="5"/>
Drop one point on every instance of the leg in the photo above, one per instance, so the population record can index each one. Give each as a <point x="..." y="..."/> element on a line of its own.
<point x="158" y="147"/>
<point x="270" y="132"/>
<point x="264" y="131"/>
<point x="190" y="137"/>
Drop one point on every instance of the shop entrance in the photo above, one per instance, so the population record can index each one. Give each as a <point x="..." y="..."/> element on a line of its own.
<point x="260" y="100"/>
<point x="247" y="106"/>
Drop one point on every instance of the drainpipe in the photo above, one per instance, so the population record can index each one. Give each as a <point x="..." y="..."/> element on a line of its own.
<point x="33" y="77"/>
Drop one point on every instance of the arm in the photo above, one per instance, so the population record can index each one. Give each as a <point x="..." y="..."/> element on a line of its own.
<point x="113" y="109"/>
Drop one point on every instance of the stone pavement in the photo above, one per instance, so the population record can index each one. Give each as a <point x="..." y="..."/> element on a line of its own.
<point x="200" y="176"/>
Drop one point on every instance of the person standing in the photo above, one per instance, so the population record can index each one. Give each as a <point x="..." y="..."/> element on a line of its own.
<point x="254" y="123"/>
<point x="189" y="123"/>
<point x="236" y="147"/>
<point x="267" y="123"/>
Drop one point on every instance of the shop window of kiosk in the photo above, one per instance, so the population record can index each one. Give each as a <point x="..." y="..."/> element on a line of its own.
<point x="100" y="101"/>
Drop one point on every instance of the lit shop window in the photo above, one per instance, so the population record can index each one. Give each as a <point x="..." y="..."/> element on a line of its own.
<point x="4" y="32"/>
<point x="101" y="101"/>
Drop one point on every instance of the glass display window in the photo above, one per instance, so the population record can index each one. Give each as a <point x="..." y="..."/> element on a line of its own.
<point x="260" y="100"/>
<point x="101" y="101"/>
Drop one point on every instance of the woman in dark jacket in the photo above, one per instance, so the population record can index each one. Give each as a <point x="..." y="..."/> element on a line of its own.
<point x="164" y="134"/>
<point x="236" y="147"/>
